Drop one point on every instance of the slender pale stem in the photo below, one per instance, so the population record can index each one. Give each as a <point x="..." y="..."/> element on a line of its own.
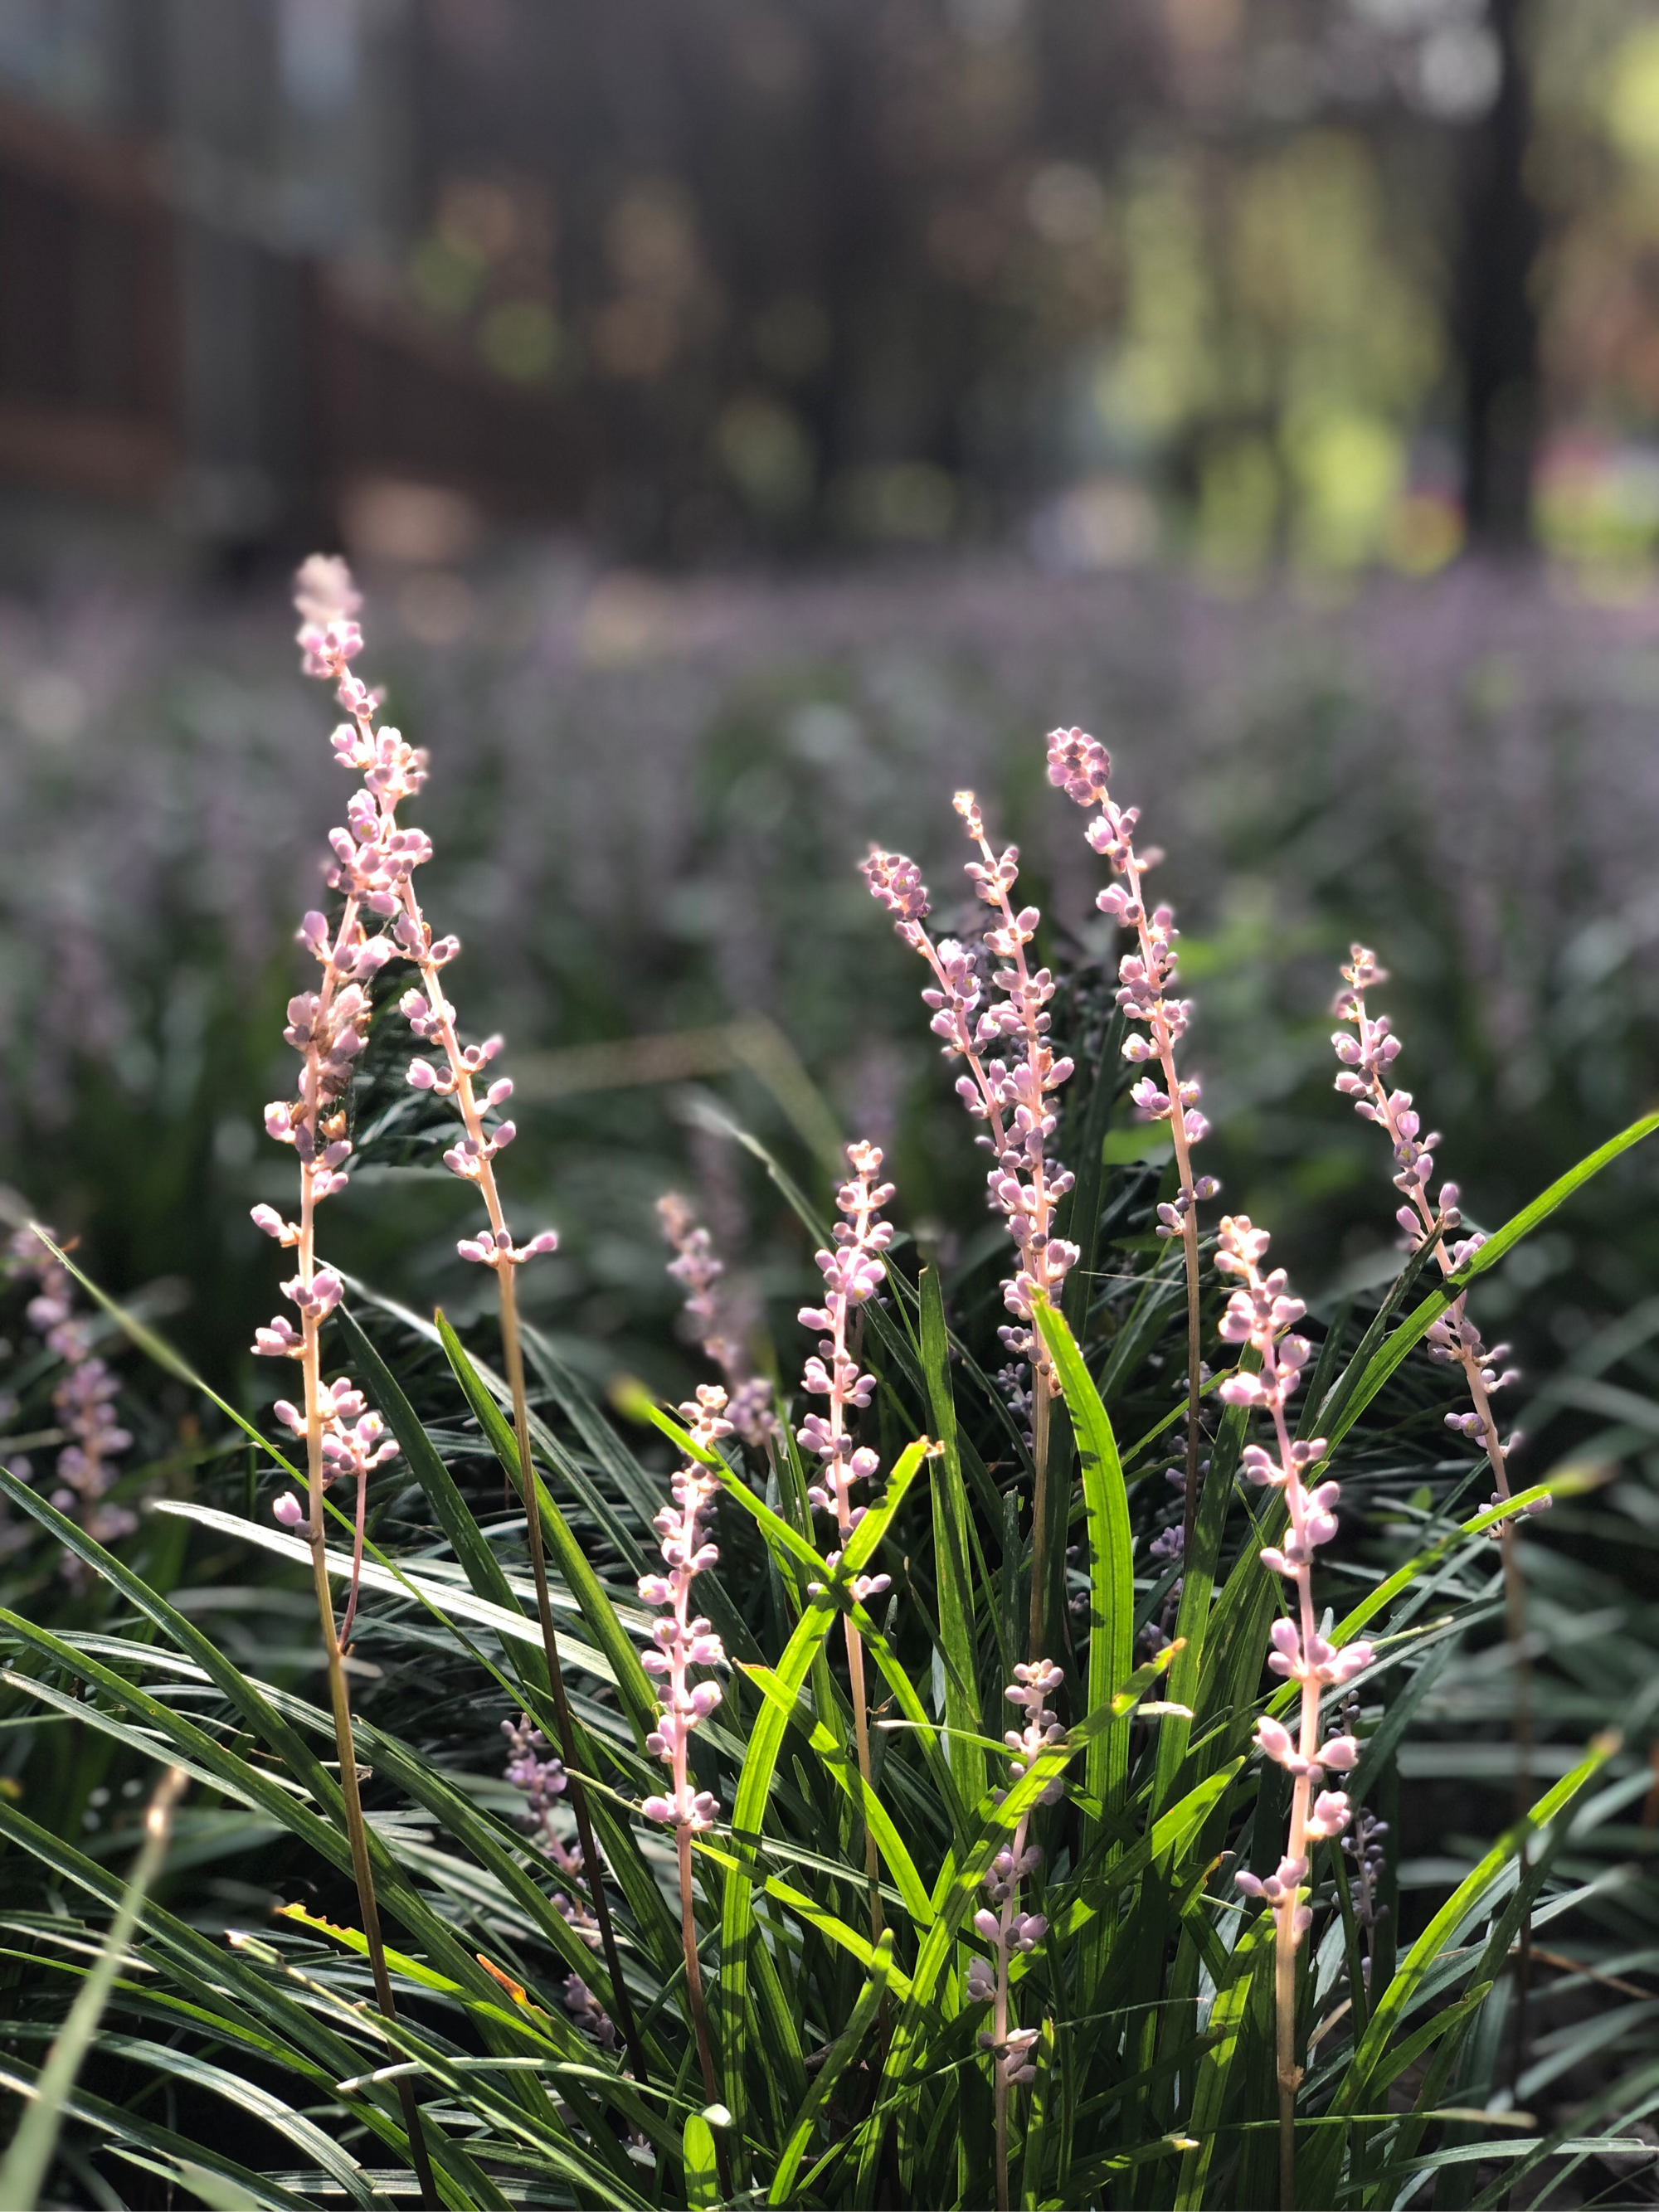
<point x="999" y="2022"/>
<point x="339" y="1696"/>
<point x="693" y="1969"/>
<point x="339" y="1699"/>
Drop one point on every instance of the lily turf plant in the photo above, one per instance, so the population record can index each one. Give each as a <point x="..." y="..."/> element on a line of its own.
<point x="965" y="1764"/>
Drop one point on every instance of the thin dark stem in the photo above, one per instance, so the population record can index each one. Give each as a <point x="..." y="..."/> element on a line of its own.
<point x="591" y="1867"/>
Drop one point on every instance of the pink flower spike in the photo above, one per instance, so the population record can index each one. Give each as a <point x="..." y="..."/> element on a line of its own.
<point x="1366" y="1056"/>
<point x="1008" y="1093"/>
<point x="679" y="1640"/>
<point x="288" y="1511"/>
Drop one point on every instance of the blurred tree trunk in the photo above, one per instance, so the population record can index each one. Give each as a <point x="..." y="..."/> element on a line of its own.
<point x="1498" y="320"/>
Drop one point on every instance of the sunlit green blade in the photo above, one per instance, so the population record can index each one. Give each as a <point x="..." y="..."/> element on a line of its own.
<point x="30" y="2155"/>
<point x="634" y="1684"/>
<point x="243" y="2093"/>
<point x="446" y="1598"/>
<point x="215" y="1979"/>
<point x="738" y="1932"/>
<point x="1411" y="1331"/>
<point x="296" y="1756"/>
<point x="397" y="1895"/>
<point x="1111" y="1563"/>
<point x="702" y="2180"/>
<point x="1391" y="2008"/>
<point x="846" y="1777"/>
<point x="1226" y="2023"/>
<point x="475" y="1555"/>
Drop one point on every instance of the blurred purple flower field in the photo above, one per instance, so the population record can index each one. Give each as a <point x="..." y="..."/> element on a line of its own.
<point x="655" y="796"/>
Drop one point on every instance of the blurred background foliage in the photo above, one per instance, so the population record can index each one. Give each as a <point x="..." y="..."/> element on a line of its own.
<point x="1334" y="283"/>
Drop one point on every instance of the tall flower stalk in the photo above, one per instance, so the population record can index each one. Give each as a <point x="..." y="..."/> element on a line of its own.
<point x="1011" y="1094"/>
<point x="328" y="1027"/>
<point x="1453" y="1340"/>
<point x="374" y="861"/>
<point x="1262" y="1314"/>
<point x="1007" y="1930"/>
<point x="1081" y="766"/>
<point x="681" y="1641"/>
<point x="852" y="1273"/>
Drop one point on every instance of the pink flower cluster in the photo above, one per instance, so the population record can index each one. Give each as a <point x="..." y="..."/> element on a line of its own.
<point x="698" y="1268"/>
<point x="354" y="1440"/>
<point x="1009" y="1092"/>
<point x="1261" y="1314"/>
<point x="1454" y="1339"/>
<point x="852" y="1273"/>
<point x="84" y="1400"/>
<point x="679" y="1642"/>
<point x="1004" y="1927"/>
<point x="1081" y="766"/>
<point x="374" y="863"/>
